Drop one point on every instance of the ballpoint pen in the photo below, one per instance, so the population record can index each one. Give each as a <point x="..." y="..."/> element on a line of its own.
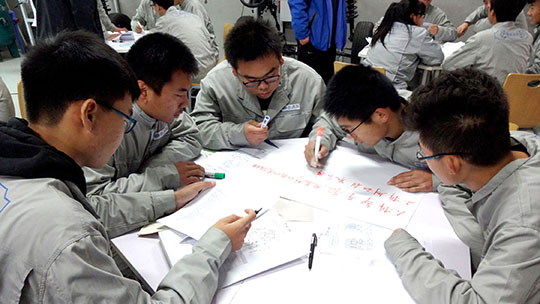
<point x="312" y="250"/>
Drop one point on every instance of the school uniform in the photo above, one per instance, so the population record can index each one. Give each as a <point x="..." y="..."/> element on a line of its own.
<point x="506" y="210"/>
<point x="146" y="15"/>
<point x="434" y="15"/>
<point x="54" y="248"/>
<point x="478" y="17"/>
<point x="190" y="30"/>
<point x="223" y="106"/>
<point x="197" y="8"/>
<point x="137" y="184"/>
<point x="7" y="110"/>
<point x="498" y="51"/>
<point x="401" y="150"/>
<point x="106" y="23"/>
<point x="405" y="46"/>
<point x="534" y="61"/>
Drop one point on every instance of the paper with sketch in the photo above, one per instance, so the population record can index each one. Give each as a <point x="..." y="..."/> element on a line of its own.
<point x="269" y="243"/>
<point x="350" y="184"/>
<point x="152" y="228"/>
<point x="226" y="198"/>
<point x="260" y="151"/>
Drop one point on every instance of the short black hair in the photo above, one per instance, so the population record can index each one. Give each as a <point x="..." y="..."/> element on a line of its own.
<point x="355" y="92"/>
<point x="531" y="1"/>
<point x="507" y="10"/>
<point x="69" y="67"/>
<point x="155" y="57"/>
<point x="164" y="3"/>
<point x="251" y="39"/>
<point x="463" y="111"/>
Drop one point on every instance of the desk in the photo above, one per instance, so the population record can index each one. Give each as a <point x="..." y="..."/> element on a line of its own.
<point x="334" y="278"/>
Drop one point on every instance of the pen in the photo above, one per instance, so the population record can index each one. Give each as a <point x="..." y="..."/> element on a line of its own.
<point x="312" y="250"/>
<point x="271" y="143"/>
<point x="318" y="145"/>
<point x="215" y="175"/>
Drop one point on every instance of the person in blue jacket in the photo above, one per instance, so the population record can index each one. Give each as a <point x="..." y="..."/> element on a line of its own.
<point x="320" y="27"/>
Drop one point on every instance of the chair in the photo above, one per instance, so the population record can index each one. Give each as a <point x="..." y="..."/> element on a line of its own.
<point x="523" y="91"/>
<point x="338" y="65"/>
<point x="227" y="27"/>
<point x="20" y="95"/>
<point x="513" y="126"/>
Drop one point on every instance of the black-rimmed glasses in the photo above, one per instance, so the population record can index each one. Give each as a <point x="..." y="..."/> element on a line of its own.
<point x="420" y="156"/>
<point x="129" y="122"/>
<point x="354" y="129"/>
<point x="267" y="80"/>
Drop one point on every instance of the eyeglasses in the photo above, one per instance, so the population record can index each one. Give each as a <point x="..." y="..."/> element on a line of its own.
<point x="129" y="122"/>
<point x="267" y="80"/>
<point x="420" y="156"/>
<point x="354" y="129"/>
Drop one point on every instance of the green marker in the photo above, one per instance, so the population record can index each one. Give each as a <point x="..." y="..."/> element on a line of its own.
<point x="215" y="175"/>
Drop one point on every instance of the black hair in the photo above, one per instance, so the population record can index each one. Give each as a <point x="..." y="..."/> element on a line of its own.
<point x="507" y="10"/>
<point x="398" y="12"/>
<point x="531" y="2"/>
<point x="70" y="67"/>
<point x="251" y="39"/>
<point x="355" y="92"/>
<point x="120" y="20"/>
<point x="164" y="3"/>
<point x="155" y="57"/>
<point x="464" y="111"/>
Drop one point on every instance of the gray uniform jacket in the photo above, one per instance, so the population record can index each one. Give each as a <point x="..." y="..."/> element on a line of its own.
<point x="534" y="61"/>
<point x="197" y="8"/>
<point x="7" y="110"/>
<point x="434" y="15"/>
<point x="479" y="18"/>
<point x="106" y="22"/>
<point x="401" y="150"/>
<point x="404" y="48"/>
<point x="506" y="209"/>
<point x="223" y="105"/>
<point x="134" y="187"/>
<point x="55" y="250"/>
<point x="191" y="30"/>
<point x="498" y="51"/>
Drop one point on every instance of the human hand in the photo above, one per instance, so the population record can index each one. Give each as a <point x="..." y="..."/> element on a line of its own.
<point x="304" y="41"/>
<point x="187" y="193"/>
<point x="255" y="135"/>
<point x="120" y="29"/>
<point x="309" y="153"/>
<point x="189" y="172"/>
<point x="433" y="29"/>
<point x="462" y="29"/>
<point x="236" y="228"/>
<point x="413" y="181"/>
<point x="139" y="29"/>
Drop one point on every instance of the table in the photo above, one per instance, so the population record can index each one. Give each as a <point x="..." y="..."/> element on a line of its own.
<point x="334" y="278"/>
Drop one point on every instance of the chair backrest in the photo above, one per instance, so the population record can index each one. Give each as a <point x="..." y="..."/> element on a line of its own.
<point x="523" y="91"/>
<point x="512" y="126"/>
<point x="226" y="29"/>
<point x="338" y="65"/>
<point x="20" y="95"/>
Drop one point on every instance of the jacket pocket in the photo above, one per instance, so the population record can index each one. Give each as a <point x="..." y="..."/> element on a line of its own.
<point x="290" y="123"/>
<point x="14" y="275"/>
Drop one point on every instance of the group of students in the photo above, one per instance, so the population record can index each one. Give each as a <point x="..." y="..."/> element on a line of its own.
<point x="108" y="148"/>
<point x="411" y="32"/>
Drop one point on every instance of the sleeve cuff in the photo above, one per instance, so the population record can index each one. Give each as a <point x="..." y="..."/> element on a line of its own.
<point x="170" y="176"/>
<point x="216" y="243"/>
<point x="163" y="202"/>
<point x="399" y="243"/>
<point x="237" y="136"/>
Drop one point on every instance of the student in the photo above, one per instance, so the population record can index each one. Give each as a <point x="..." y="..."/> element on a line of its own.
<point x="534" y="17"/>
<point x="367" y="107"/>
<point x="400" y="43"/>
<point x="7" y="110"/>
<point x="256" y="81"/>
<point x="436" y="22"/>
<point x="106" y="22"/>
<point x="479" y="18"/>
<point x="147" y="16"/>
<point x="320" y="27"/>
<point x="499" y="50"/>
<point x="137" y="184"/>
<point x="54" y="247"/>
<point x="190" y="29"/>
<point x="462" y="120"/>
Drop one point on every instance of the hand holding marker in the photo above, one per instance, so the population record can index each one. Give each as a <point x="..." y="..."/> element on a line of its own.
<point x="317" y="145"/>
